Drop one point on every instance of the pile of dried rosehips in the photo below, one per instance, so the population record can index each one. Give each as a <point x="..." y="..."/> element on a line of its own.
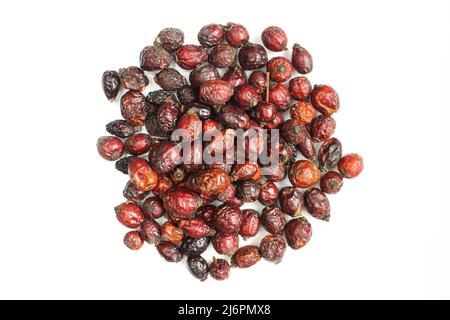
<point x="198" y="203"/>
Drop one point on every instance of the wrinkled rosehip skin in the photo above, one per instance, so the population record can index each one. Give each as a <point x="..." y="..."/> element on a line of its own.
<point x="203" y="73"/>
<point x="322" y="128"/>
<point x="182" y="202"/>
<point x="280" y="96"/>
<point x="171" y="233"/>
<point x="234" y="117"/>
<point x="286" y="152"/>
<point x="155" y="58"/>
<point x="198" y="267"/>
<point x="351" y="165"/>
<point x="170" y="39"/>
<point x="167" y="116"/>
<point x="209" y="182"/>
<point x="265" y="111"/>
<point x="244" y="171"/>
<point x="236" y="34"/>
<point x="133" y="240"/>
<point x="229" y="197"/>
<point x="317" y="204"/>
<point x="219" y="269"/>
<point x="211" y="35"/>
<point x="163" y="186"/>
<point x="252" y="56"/>
<point x="169" y="251"/>
<point x="269" y="193"/>
<point x="331" y="182"/>
<point x="142" y="175"/>
<point x="330" y="153"/>
<point x="296" y="133"/>
<point x="133" y="194"/>
<point x="153" y="208"/>
<point x="193" y="247"/>
<point x="177" y="175"/>
<point x="133" y="78"/>
<point x="272" y="248"/>
<point x="223" y="55"/>
<point x="134" y="107"/>
<point x="258" y="80"/>
<point x="301" y="59"/>
<point x="248" y="191"/>
<point x="190" y="56"/>
<point x="303" y="174"/>
<point x="302" y="111"/>
<point x="280" y="69"/>
<point x="137" y="144"/>
<point x="246" y="97"/>
<point x="186" y="94"/>
<point x="298" y="232"/>
<point x="192" y="125"/>
<point x="195" y="228"/>
<point x="235" y="75"/>
<point x="170" y="79"/>
<point x="251" y="224"/>
<point x="272" y="219"/>
<point x="158" y="97"/>
<point x="276" y="172"/>
<point x="228" y="218"/>
<point x="166" y="157"/>
<point x="111" y="84"/>
<point x="325" y="99"/>
<point x="275" y="122"/>
<point x="300" y="88"/>
<point x="122" y="164"/>
<point x="129" y="214"/>
<point x="225" y="244"/>
<point x="291" y="201"/>
<point x="274" y="38"/>
<point x="215" y="92"/>
<point x="110" y="148"/>
<point x="121" y="128"/>
<point x="246" y="257"/>
<point x="150" y="231"/>
<point x="206" y="213"/>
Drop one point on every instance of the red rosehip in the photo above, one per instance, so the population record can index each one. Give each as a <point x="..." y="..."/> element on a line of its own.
<point x="298" y="232"/>
<point x="300" y="88"/>
<point x="236" y="34"/>
<point x="272" y="248"/>
<point x="228" y="218"/>
<point x="280" y="96"/>
<point x="110" y="148"/>
<point x="304" y="174"/>
<point x="195" y="228"/>
<point x="206" y="213"/>
<point x="302" y="111"/>
<point x="182" y="202"/>
<point x="301" y="59"/>
<point x="351" y="165"/>
<point x="291" y="201"/>
<point x="203" y="73"/>
<point x="142" y="175"/>
<point x="331" y="182"/>
<point x="219" y="269"/>
<point x="209" y="182"/>
<point x="325" y="99"/>
<point x="169" y="251"/>
<point x="247" y="97"/>
<point x="170" y="39"/>
<point x="134" y="107"/>
<point x="129" y="214"/>
<point x="211" y="35"/>
<point x="268" y="195"/>
<point x="273" y="220"/>
<point x="153" y="208"/>
<point x="235" y="75"/>
<point x="252" y="56"/>
<point x="133" y="240"/>
<point x="138" y="144"/>
<point x="192" y="125"/>
<point x="133" y="78"/>
<point x="280" y="69"/>
<point x="317" y="204"/>
<point x="150" y="231"/>
<point x="251" y="224"/>
<point x="189" y="56"/>
<point x="322" y="128"/>
<point x="274" y="38"/>
<point x="215" y="92"/>
<point x="155" y="58"/>
<point x="246" y="257"/>
<point x="225" y="244"/>
<point x="258" y="79"/>
<point x="223" y="55"/>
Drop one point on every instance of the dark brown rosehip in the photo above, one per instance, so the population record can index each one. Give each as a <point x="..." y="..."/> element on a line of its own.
<point x="170" y="39"/>
<point x="252" y="56"/>
<point x="209" y="182"/>
<point x="236" y="34"/>
<point x="166" y="157"/>
<point x="330" y="153"/>
<point x="133" y="240"/>
<point x="302" y="111"/>
<point x="195" y="228"/>
<point x="301" y="59"/>
<point x="121" y="128"/>
<point x="190" y="56"/>
<point x="186" y="95"/>
<point x="122" y="164"/>
<point x="274" y="38"/>
<point x="198" y="267"/>
<point x="150" y="231"/>
<point x="234" y="117"/>
<point x="235" y="75"/>
<point x="215" y="92"/>
<point x="272" y="248"/>
<point x="228" y="218"/>
<point x="110" y="148"/>
<point x="171" y="233"/>
<point x="331" y="182"/>
<point x="211" y="35"/>
<point x="155" y="58"/>
<point x="111" y="84"/>
<point x="203" y="73"/>
<point x="280" y="96"/>
<point x="182" y="202"/>
<point x="298" y="232"/>
<point x="137" y="144"/>
<point x="269" y="193"/>
<point x="280" y="69"/>
<point x="170" y="79"/>
<point x="153" y="208"/>
<point x="142" y="175"/>
<point x="134" y="107"/>
<point x="193" y="247"/>
<point x="223" y="55"/>
<point x="291" y="201"/>
<point x="304" y="174"/>
<point x="169" y="251"/>
<point x="133" y="78"/>
<point x="133" y="194"/>
<point x="317" y="204"/>
<point x="273" y="220"/>
<point x="300" y="88"/>
<point x="225" y="244"/>
<point x="351" y="165"/>
<point x="158" y="97"/>
<point x="322" y="128"/>
<point x="325" y="99"/>
<point x="204" y="112"/>
<point x="247" y="97"/>
<point x="258" y="79"/>
<point x="251" y="224"/>
<point x="248" y="191"/>
<point x="246" y="257"/>
<point x="219" y="269"/>
<point x="129" y="214"/>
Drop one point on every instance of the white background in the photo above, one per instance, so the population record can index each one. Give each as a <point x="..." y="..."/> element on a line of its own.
<point x="389" y="232"/>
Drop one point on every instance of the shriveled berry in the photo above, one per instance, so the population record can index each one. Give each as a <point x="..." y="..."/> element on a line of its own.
<point x="133" y="240"/>
<point x="182" y="202"/>
<point x="198" y="267"/>
<point x="215" y="92"/>
<point x="276" y="172"/>
<point x="163" y="186"/>
<point x="142" y="175"/>
<point x="121" y="128"/>
<point x="300" y="88"/>
<point x="322" y="128"/>
<point x="235" y="75"/>
<point x="229" y="197"/>
<point x="171" y="233"/>
<point x="251" y="224"/>
<point x="246" y="257"/>
<point x="272" y="248"/>
<point x="228" y="218"/>
<point x="280" y="96"/>
<point x="129" y="214"/>
<point x="206" y="213"/>
<point x="269" y="193"/>
<point x="252" y="56"/>
<point x="293" y="131"/>
<point x="170" y="39"/>
<point x="155" y="58"/>
<point x="248" y="191"/>
<point x="211" y="35"/>
<point x="137" y="144"/>
<point x="158" y="97"/>
<point x="244" y="171"/>
<point x="302" y="111"/>
<point x="273" y="220"/>
<point x="317" y="204"/>
<point x="234" y="117"/>
<point x="351" y="165"/>
<point x="192" y="126"/>
<point x="203" y="73"/>
<point x="330" y="153"/>
<point x="195" y="228"/>
<point x="110" y="148"/>
<point x="331" y="182"/>
<point x="169" y="251"/>
<point x="304" y="174"/>
<point x="153" y="208"/>
<point x="325" y="99"/>
<point x="133" y="194"/>
<point x="298" y="232"/>
<point x="225" y="244"/>
<point x="186" y="95"/>
<point x="122" y="164"/>
<point x="247" y="97"/>
<point x="190" y="56"/>
<point x="209" y="182"/>
<point x="301" y="59"/>
<point x="291" y="201"/>
<point x="258" y="79"/>
<point x="166" y="157"/>
<point x="265" y="111"/>
<point x="274" y="38"/>
<point x="150" y="231"/>
<point x="111" y="84"/>
<point x="167" y="116"/>
<point x="236" y="34"/>
<point x="280" y="69"/>
<point x="133" y="78"/>
<point x="193" y="247"/>
<point x="223" y="55"/>
<point x="219" y="269"/>
<point x="170" y="79"/>
<point x="134" y="107"/>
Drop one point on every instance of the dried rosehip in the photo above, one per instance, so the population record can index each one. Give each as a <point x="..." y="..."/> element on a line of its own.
<point x="133" y="240"/>
<point x="280" y="69"/>
<point x="258" y="79"/>
<point x="280" y="96"/>
<point x="235" y="75"/>
<point x="142" y="175"/>
<point x="190" y="56"/>
<point x="325" y="99"/>
<point x="167" y="116"/>
<point x="209" y="182"/>
<point x="195" y="228"/>
<point x="163" y="186"/>
<point x="272" y="219"/>
<point x="122" y="164"/>
<point x="228" y="218"/>
<point x="269" y="193"/>
<point x="303" y="174"/>
<point x="133" y="194"/>
<point x="276" y="172"/>
<point x="186" y="95"/>
<point x="133" y="78"/>
<point x="275" y="122"/>
<point x="137" y="144"/>
<point x="193" y="247"/>
<point x="211" y="35"/>
<point x="229" y="197"/>
<point x="300" y="88"/>
<point x="301" y="59"/>
<point x="198" y="267"/>
<point x="225" y="244"/>
<point x="110" y="148"/>
<point x="246" y="257"/>
<point x="192" y="126"/>
<point x="121" y="128"/>
<point x="302" y="111"/>
<point x="244" y="171"/>
<point x="247" y="97"/>
<point x="170" y="39"/>
<point x="134" y="107"/>
<point x="166" y="157"/>
<point x="158" y="97"/>
<point x="351" y="165"/>
<point x="298" y="232"/>
<point x="236" y="34"/>
<point x="251" y="224"/>
<point x="234" y="117"/>
<point x="274" y="38"/>
<point x="296" y="133"/>
<point x="331" y="182"/>
<point x="317" y="204"/>
<point x="322" y="128"/>
<point x="129" y="214"/>
<point x="215" y="92"/>
<point x="252" y="56"/>
<point x="265" y="111"/>
<point x="150" y="231"/>
<point x="204" y="112"/>
<point x="219" y="269"/>
<point x="286" y="152"/>
<point x="171" y="233"/>
<point x="272" y="248"/>
<point x="223" y="55"/>
<point x="206" y="213"/>
<point x="169" y="251"/>
<point x="111" y="84"/>
<point x="291" y="201"/>
<point x="178" y="175"/>
<point x="170" y="79"/>
<point x="182" y="202"/>
<point x="153" y="208"/>
<point x="248" y="191"/>
<point x="203" y="73"/>
<point x="330" y="153"/>
<point x="155" y="58"/>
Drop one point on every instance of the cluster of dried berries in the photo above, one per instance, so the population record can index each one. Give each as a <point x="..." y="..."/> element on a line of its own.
<point x="181" y="207"/>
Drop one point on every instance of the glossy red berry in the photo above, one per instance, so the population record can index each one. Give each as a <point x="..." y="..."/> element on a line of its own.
<point x="331" y="182"/>
<point x="129" y="214"/>
<point x="110" y="148"/>
<point x="142" y="175"/>
<point x="247" y="97"/>
<point x="280" y="69"/>
<point x="351" y="165"/>
<point x="304" y="174"/>
<point x="138" y="144"/>
<point x="133" y="240"/>
<point x="325" y="99"/>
